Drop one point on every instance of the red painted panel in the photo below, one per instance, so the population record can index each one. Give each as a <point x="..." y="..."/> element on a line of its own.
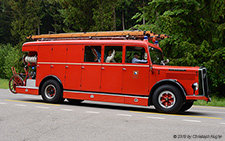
<point x="73" y="69"/>
<point x="44" y="53"/>
<point x="27" y="91"/>
<point x="43" y="70"/>
<point x="136" y="101"/>
<point x="135" y="79"/>
<point x="197" y="98"/>
<point x="111" y="80"/>
<point x="93" y="97"/>
<point x="91" y="76"/>
<point x="43" y="63"/>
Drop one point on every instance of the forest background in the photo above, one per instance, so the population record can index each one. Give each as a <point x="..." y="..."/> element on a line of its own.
<point x="196" y="28"/>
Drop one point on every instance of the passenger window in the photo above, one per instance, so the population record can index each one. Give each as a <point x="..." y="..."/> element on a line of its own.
<point x="135" y="55"/>
<point x="92" y="54"/>
<point x="113" y="54"/>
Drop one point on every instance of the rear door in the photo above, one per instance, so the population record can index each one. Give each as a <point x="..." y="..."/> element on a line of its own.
<point x="91" y="69"/>
<point x="111" y="78"/>
<point x="59" y="61"/>
<point x="73" y="67"/>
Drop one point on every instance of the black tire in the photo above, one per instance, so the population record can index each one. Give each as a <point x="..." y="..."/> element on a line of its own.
<point x="14" y="81"/>
<point x="74" y="101"/>
<point x="187" y="105"/>
<point x="52" y="92"/>
<point x="167" y="99"/>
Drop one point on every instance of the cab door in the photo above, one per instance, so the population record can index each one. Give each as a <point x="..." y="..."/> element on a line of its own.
<point x="136" y="75"/>
<point x="111" y="78"/>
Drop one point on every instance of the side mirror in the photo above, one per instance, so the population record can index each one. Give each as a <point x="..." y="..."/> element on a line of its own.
<point x="165" y="62"/>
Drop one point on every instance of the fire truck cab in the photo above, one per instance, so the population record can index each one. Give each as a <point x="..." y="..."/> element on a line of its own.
<point x="120" y="71"/>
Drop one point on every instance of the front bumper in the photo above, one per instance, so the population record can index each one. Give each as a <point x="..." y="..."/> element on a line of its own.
<point x="208" y="99"/>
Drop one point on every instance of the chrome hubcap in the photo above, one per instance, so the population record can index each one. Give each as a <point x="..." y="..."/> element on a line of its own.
<point x="50" y="91"/>
<point x="166" y="99"/>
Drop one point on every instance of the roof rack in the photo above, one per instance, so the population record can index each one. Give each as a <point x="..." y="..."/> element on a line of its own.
<point x="113" y="35"/>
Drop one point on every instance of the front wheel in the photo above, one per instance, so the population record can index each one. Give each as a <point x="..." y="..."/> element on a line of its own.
<point x="52" y="92"/>
<point x="187" y="105"/>
<point x="168" y="99"/>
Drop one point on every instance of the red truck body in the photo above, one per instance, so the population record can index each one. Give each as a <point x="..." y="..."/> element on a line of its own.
<point x="72" y="64"/>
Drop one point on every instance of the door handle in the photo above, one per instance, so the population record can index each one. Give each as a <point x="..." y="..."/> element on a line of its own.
<point x="124" y="69"/>
<point x="103" y="68"/>
<point x="82" y="67"/>
<point x="66" y="66"/>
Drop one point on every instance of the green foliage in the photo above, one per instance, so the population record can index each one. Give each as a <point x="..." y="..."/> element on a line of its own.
<point x="103" y="15"/>
<point x="9" y="56"/>
<point x="196" y="30"/>
<point x="5" y="21"/>
<point x="26" y="18"/>
<point x="216" y="101"/>
<point x="77" y="15"/>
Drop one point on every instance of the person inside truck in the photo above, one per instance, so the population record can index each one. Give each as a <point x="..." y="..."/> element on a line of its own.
<point x="137" y="60"/>
<point x="110" y="57"/>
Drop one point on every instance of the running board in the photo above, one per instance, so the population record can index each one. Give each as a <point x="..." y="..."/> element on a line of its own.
<point x="105" y="97"/>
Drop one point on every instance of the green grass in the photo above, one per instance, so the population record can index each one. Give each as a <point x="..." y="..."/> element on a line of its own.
<point x="216" y="101"/>
<point x="4" y="83"/>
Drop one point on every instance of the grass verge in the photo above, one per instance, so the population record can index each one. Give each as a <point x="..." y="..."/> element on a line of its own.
<point x="4" y="83"/>
<point x="216" y="101"/>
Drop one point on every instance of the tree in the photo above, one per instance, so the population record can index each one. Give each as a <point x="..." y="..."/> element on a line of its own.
<point x="104" y="15"/>
<point x="197" y="34"/>
<point x="52" y="21"/>
<point x="27" y="17"/>
<point x="77" y="15"/>
<point x="5" y="20"/>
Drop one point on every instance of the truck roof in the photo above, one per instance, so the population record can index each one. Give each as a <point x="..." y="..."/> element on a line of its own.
<point x="31" y="46"/>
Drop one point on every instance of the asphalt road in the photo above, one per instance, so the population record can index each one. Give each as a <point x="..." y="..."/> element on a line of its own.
<point x="27" y="117"/>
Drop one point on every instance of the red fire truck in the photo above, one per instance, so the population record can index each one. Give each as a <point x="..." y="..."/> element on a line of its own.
<point x="119" y="67"/>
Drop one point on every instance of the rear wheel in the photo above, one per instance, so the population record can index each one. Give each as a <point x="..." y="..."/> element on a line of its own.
<point x="14" y="81"/>
<point x="168" y="99"/>
<point x="52" y="92"/>
<point x="187" y="105"/>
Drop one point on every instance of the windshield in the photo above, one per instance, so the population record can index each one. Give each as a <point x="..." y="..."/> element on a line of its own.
<point x="156" y="56"/>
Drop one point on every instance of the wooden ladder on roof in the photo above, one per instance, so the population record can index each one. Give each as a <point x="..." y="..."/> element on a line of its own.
<point x="136" y="34"/>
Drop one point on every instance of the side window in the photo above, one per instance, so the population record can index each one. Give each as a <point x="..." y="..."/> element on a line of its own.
<point x="135" y="55"/>
<point x="113" y="54"/>
<point x="92" y="54"/>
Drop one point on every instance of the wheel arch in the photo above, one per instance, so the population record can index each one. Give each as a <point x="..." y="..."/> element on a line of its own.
<point x="48" y="78"/>
<point x="163" y="82"/>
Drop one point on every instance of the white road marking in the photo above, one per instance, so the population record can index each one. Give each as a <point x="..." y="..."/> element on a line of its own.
<point x="69" y="110"/>
<point x="222" y="123"/>
<point x="208" y="111"/>
<point x="2" y="103"/>
<point x="92" y="112"/>
<point x="156" y="117"/>
<point x="22" y="105"/>
<point x="42" y="107"/>
<point x="124" y="115"/>
<point x="191" y="120"/>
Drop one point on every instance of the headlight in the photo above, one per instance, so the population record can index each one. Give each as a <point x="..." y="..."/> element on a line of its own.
<point x="195" y="86"/>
